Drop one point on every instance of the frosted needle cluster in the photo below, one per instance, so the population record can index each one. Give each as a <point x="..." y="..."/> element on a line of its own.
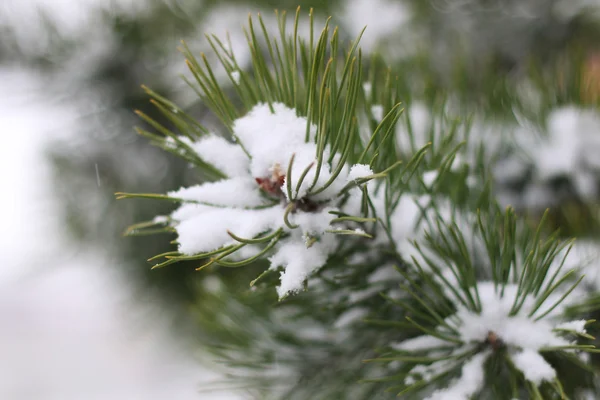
<point x="276" y="193"/>
<point x="466" y="339"/>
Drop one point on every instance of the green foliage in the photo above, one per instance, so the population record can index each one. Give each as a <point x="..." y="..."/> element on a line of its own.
<point x="446" y="278"/>
<point x="311" y="76"/>
<point x="298" y="348"/>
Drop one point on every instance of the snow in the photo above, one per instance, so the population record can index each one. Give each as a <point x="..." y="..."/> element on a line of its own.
<point x="584" y="256"/>
<point x="351" y="316"/>
<point x="236" y="76"/>
<point x="556" y="159"/>
<point x="566" y="147"/>
<point x="188" y="210"/>
<point x="420" y="343"/>
<point x="161" y="219"/>
<point x="70" y="19"/>
<point x="523" y="336"/>
<point x="457" y="163"/>
<point x="572" y="147"/>
<point x="559" y="155"/>
<point x="254" y="199"/>
<point x="383" y="19"/>
<point x="74" y="333"/>
<point x="383" y="274"/>
<point x="208" y="230"/>
<point x="533" y="366"/>
<point x="70" y="326"/>
<point x="272" y="138"/>
<point x="359" y="171"/>
<point x="586" y="184"/>
<point x="368" y="89"/>
<point x="299" y="262"/>
<point x="429" y="177"/>
<point x="427" y="372"/>
<point x="420" y="119"/>
<point x="575" y="326"/>
<point x="470" y="382"/>
<point x="237" y="193"/>
<point x="406" y="215"/>
<point x="314" y="223"/>
<point x="265" y="134"/>
<point x="225" y="156"/>
<point x="377" y="112"/>
<point x="519" y="330"/>
<point x="406" y="226"/>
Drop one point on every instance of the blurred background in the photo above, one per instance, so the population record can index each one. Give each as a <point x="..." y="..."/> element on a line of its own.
<point x="82" y="315"/>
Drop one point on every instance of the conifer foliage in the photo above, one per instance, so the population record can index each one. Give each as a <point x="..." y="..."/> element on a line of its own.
<point x="384" y="264"/>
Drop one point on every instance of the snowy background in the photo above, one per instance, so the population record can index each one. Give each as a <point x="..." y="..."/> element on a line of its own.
<point x="69" y="328"/>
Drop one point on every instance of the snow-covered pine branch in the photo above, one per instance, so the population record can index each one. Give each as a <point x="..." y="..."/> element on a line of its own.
<point x="291" y="179"/>
<point x="478" y="299"/>
<point x="311" y="173"/>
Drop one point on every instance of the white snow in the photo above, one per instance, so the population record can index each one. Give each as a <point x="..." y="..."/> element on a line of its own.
<point x="368" y="89"/>
<point x="265" y="133"/>
<point x="383" y="19"/>
<point x="314" y="223"/>
<point x="254" y="199"/>
<point x="188" y="210"/>
<point x="299" y="262"/>
<point x="359" y="171"/>
<point x="208" y="230"/>
<point x="225" y="156"/>
<point x="420" y="343"/>
<point x="420" y="119"/>
<point x="237" y="193"/>
<point x="377" y="112"/>
<point x="236" y="76"/>
<point x="567" y="147"/>
<point x="584" y="256"/>
<point x="70" y="327"/>
<point x="535" y="368"/>
<point x="457" y="163"/>
<point x="406" y="224"/>
<point x="28" y="19"/>
<point x="559" y="155"/>
<point x="519" y="330"/>
<point x="351" y="316"/>
<point x="522" y="335"/>
<point x="429" y="177"/>
<point x="469" y="383"/>
<point x="383" y="274"/>
<point x="427" y="372"/>
<point x="273" y="138"/>
<point x="161" y="219"/>
<point x="575" y="326"/>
